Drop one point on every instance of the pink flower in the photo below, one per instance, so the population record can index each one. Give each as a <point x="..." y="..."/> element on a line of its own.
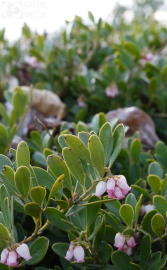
<point x="120" y="189"/>
<point x="69" y="255"/>
<point x="111" y="90"/>
<point x="100" y="188"/>
<point x="127" y="250"/>
<point x="111" y="184"/>
<point x="124" y="243"/>
<point x="24" y="252"/>
<point x="121" y="184"/>
<point x="131" y="242"/>
<point x="119" y="242"/>
<point x="12" y="259"/>
<point x="4" y="256"/>
<point x="79" y="254"/>
<point x="118" y="193"/>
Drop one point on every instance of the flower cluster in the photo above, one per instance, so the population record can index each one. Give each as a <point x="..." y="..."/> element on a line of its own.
<point x="124" y="243"/>
<point x="116" y="187"/>
<point x="75" y="251"/>
<point x="11" y="256"/>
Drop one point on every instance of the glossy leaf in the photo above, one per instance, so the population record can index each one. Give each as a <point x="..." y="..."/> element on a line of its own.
<point x="58" y="167"/>
<point x="118" y="137"/>
<point x="23" y="155"/>
<point x="96" y="153"/>
<point x="158" y="224"/>
<point x="33" y="209"/>
<point x="23" y="180"/>
<point x="74" y="165"/>
<point x="106" y="139"/>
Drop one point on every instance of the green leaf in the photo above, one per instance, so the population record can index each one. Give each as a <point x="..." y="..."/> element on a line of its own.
<point x="84" y="137"/>
<point x="23" y="155"/>
<point x="91" y="17"/>
<point x="164" y="75"/>
<point x="114" y="207"/>
<point x="60" y="249"/>
<point x="106" y="139"/>
<point x="112" y="221"/>
<point x="146" y="222"/>
<point x="158" y="224"/>
<point x="19" y="101"/>
<point x="137" y="209"/>
<point x="33" y="209"/>
<point x="131" y="200"/>
<point x="81" y="127"/>
<point x="97" y="226"/>
<point x="74" y="164"/>
<point x="96" y="153"/>
<point x="9" y="174"/>
<point x="135" y="150"/>
<point x="95" y="123"/>
<point x="61" y="203"/>
<point x="160" y="204"/>
<point x="78" y="147"/>
<point x="106" y="253"/>
<point x="132" y="48"/>
<point x="61" y="141"/>
<point x="118" y="136"/>
<point x="58" y="167"/>
<point x="89" y="213"/>
<point x="155" y="183"/>
<point x="55" y="217"/>
<point x="145" y="250"/>
<point x="164" y="186"/>
<point x="153" y="85"/>
<point x="155" y="168"/>
<point x="23" y="180"/>
<point x="3" y="139"/>
<point x="122" y="260"/>
<point x="44" y="178"/>
<point x="38" y="194"/>
<point x="13" y="131"/>
<point x="126" y="212"/>
<point x="4" y="235"/>
<point x="5" y="161"/>
<point x="55" y="187"/>
<point x="3" y="113"/>
<point x="142" y="191"/>
<point x="161" y="150"/>
<point x="34" y="52"/>
<point x="38" y="250"/>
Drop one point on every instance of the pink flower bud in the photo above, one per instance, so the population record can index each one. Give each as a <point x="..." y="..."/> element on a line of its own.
<point x="24" y="252"/>
<point x="100" y="188"/>
<point x="69" y="255"/>
<point x="118" y="193"/>
<point x="121" y="184"/>
<point x="71" y="247"/>
<point x="12" y="259"/>
<point x="119" y="242"/>
<point x="111" y="194"/>
<point x="131" y="242"/>
<point x="4" y="256"/>
<point x="111" y="184"/>
<point x="117" y="236"/>
<point x="79" y="254"/>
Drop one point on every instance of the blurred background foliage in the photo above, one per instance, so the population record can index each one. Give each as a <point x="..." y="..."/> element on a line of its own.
<point x="96" y="65"/>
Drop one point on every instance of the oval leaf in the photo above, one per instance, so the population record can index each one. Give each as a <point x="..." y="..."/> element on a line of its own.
<point x="96" y="153"/>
